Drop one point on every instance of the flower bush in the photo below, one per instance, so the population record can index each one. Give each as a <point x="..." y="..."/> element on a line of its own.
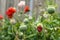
<point x="47" y="27"/>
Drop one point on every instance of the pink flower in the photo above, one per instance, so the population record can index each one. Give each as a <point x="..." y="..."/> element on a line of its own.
<point x="1" y="17"/>
<point x="21" y="3"/>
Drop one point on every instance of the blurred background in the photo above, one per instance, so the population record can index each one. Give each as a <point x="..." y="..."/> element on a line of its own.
<point x="35" y="5"/>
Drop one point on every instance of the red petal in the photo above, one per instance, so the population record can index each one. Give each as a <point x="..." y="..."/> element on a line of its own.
<point x="39" y="28"/>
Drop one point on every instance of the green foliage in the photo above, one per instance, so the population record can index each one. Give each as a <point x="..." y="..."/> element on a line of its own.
<point x="27" y="28"/>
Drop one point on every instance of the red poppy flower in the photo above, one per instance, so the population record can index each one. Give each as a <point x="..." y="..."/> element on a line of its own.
<point x="26" y="9"/>
<point x="10" y="16"/>
<point x="39" y="28"/>
<point x="1" y="17"/>
<point x="10" y="11"/>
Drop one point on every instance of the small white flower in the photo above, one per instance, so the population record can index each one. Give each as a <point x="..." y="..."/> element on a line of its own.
<point x="21" y="3"/>
<point x="55" y="28"/>
<point x="3" y="20"/>
<point x="30" y="17"/>
<point x="13" y="21"/>
<point x="46" y="15"/>
<point x="45" y="30"/>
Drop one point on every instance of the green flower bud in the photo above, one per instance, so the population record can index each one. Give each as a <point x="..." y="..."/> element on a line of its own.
<point x="51" y="10"/>
<point x="26" y="21"/>
<point x="23" y="27"/>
